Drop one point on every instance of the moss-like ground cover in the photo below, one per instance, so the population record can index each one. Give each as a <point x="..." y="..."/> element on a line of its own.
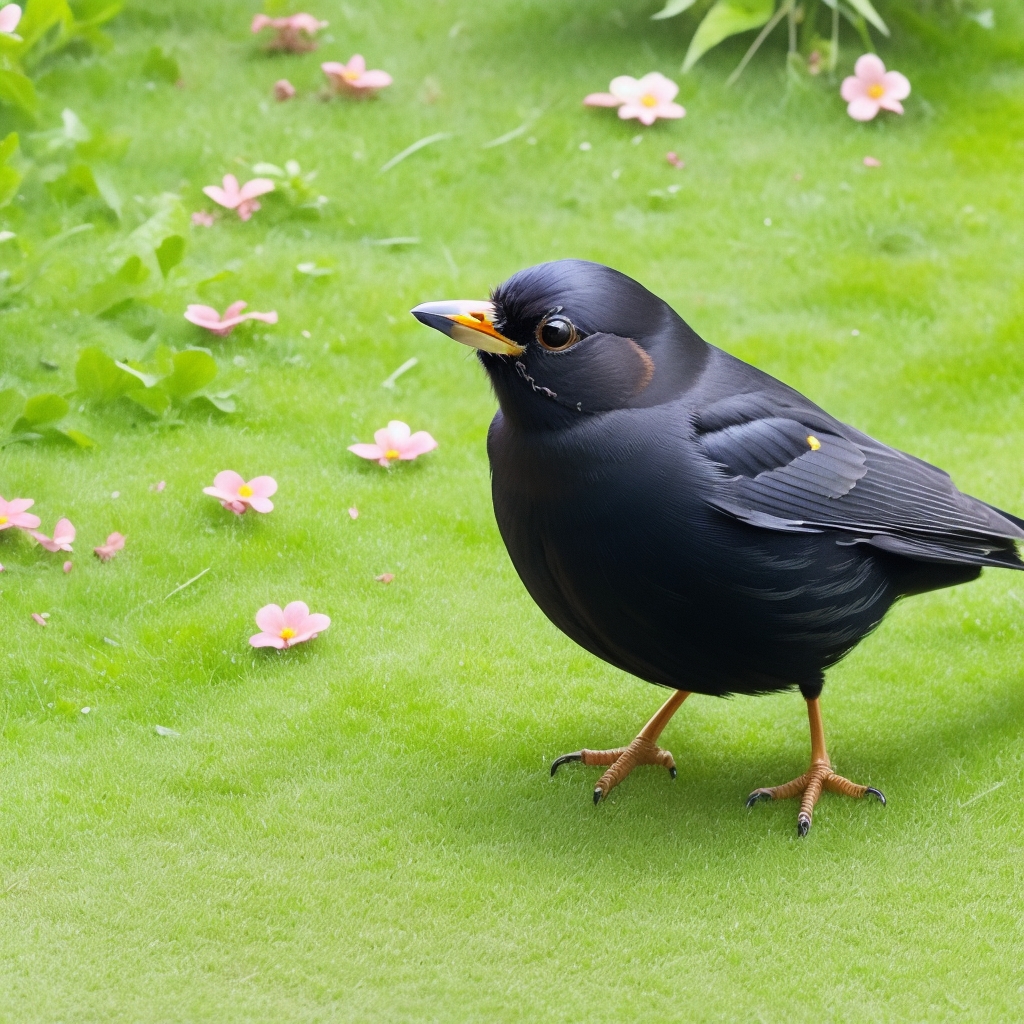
<point x="363" y="828"/>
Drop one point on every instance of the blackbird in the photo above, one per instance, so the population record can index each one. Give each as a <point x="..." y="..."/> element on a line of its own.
<point x="690" y="519"/>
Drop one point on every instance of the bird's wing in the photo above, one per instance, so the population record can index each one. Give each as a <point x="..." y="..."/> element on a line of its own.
<point x="782" y="463"/>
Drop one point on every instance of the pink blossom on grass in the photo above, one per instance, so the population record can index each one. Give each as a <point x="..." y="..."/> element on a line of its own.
<point x="283" y="90"/>
<point x="159" y="486"/>
<point x="67" y="566"/>
<point x="207" y="317"/>
<point x="294" y="33"/>
<point x="240" y="199"/>
<point x="202" y="219"/>
<point x="41" y="619"/>
<point x="353" y="77"/>
<point x="871" y="88"/>
<point x="288" y="626"/>
<point x="9" y="18"/>
<point x="353" y="513"/>
<point x="384" y="577"/>
<point x="871" y="161"/>
<point x="674" y="160"/>
<point x="647" y="99"/>
<point x="236" y="495"/>
<point x="13" y="513"/>
<point x="63" y="536"/>
<point x="105" y="552"/>
<point x="395" y="441"/>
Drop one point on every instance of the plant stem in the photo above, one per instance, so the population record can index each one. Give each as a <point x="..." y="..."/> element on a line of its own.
<point x="762" y="36"/>
<point x="833" y="56"/>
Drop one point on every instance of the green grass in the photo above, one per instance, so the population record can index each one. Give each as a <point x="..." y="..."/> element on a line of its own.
<point x="363" y="829"/>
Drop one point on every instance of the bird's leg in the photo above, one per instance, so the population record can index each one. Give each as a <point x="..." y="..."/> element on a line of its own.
<point x="818" y="777"/>
<point x="643" y="750"/>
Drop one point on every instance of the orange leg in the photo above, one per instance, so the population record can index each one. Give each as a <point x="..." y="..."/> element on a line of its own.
<point x="643" y="750"/>
<point x="818" y="777"/>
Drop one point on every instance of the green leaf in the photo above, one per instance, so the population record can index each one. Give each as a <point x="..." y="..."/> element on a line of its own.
<point x="46" y="408"/>
<point x="108" y="193"/>
<point x="12" y="404"/>
<point x="866" y="10"/>
<point x="80" y="439"/>
<point x="99" y="379"/>
<point x="9" y="147"/>
<point x="154" y="400"/>
<point x="222" y="402"/>
<point x="132" y="272"/>
<point x="193" y="370"/>
<point x="95" y="12"/>
<point x="17" y="90"/>
<point x="161" y="67"/>
<point x="39" y="17"/>
<point x="170" y="253"/>
<point x="672" y="8"/>
<point x="726" y="18"/>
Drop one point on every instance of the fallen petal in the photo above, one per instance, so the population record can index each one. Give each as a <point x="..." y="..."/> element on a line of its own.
<point x="385" y="577"/>
<point x="67" y="567"/>
<point x="353" y="513"/>
<point x="39" y="618"/>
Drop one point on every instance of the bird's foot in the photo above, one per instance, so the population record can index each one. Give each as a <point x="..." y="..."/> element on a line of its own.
<point x="818" y="777"/>
<point x="622" y="761"/>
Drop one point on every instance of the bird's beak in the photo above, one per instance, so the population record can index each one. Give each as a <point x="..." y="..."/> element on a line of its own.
<point x="469" y="321"/>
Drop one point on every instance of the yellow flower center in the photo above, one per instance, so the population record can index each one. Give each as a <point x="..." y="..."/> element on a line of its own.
<point x="649" y="100"/>
<point x="245" y="491"/>
<point x="287" y="633"/>
<point x="3" y="519"/>
<point x="876" y="91"/>
<point x="391" y="454"/>
<point x="349" y="75"/>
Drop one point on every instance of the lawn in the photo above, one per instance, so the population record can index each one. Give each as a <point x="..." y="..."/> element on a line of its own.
<point x="363" y="828"/>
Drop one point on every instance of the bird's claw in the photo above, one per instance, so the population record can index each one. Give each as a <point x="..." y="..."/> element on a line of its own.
<point x="567" y="758"/>
<point x="758" y="794"/>
<point x="876" y="792"/>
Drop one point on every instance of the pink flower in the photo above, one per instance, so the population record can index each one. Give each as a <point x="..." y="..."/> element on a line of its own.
<point x="283" y="90"/>
<point x="41" y="619"/>
<point x="288" y="627"/>
<point x="353" y="77"/>
<point x="63" y="536"/>
<point x="231" y="490"/>
<point x="12" y="513"/>
<point x="105" y="552"/>
<point x="871" y="161"/>
<point x="294" y="33"/>
<point x="646" y="99"/>
<point x="202" y="219"/>
<point x="9" y="18"/>
<point x="159" y="486"/>
<point x="871" y="88"/>
<point x="674" y="160"/>
<point x="67" y="566"/>
<point x="384" y="577"/>
<point x="222" y="326"/>
<point x="353" y="513"/>
<point x="242" y="200"/>
<point x="395" y="442"/>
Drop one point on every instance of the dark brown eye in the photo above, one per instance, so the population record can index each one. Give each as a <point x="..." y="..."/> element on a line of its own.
<point x="556" y="333"/>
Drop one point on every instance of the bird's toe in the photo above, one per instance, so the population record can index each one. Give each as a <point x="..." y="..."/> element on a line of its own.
<point x="566" y="759"/>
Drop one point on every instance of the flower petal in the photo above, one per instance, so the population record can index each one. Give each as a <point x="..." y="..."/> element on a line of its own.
<point x="295" y="615"/>
<point x="219" y="196"/>
<point x="203" y="316"/>
<point x="367" y="451"/>
<point x="270" y="618"/>
<point x="228" y="481"/>
<point x="16" y="505"/>
<point x="374" y="80"/>
<point x="234" y="309"/>
<point x="863" y="108"/>
<point x="602" y="99"/>
<point x="625" y="87"/>
<point x="897" y="86"/>
<point x="260" y="504"/>
<point x="670" y="110"/>
<point x="256" y="187"/>
<point x="663" y="89"/>
<point x="419" y="444"/>
<point x="267" y="640"/>
<point x="399" y="431"/>
<point x="869" y="68"/>
<point x="888" y="103"/>
<point x="356" y="63"/>
<point x="852" y="88"/>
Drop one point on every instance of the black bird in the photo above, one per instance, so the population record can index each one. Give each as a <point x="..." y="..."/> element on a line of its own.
<point x="690" y="519"/>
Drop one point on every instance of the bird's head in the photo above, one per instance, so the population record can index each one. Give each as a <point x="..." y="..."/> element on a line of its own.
<point x="572" y="338"/>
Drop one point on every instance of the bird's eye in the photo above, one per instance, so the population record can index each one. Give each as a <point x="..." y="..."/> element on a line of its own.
<point x="556" y="333"/>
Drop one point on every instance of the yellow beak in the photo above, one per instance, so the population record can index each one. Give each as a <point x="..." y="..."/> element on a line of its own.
<point x="468" y="321"/>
